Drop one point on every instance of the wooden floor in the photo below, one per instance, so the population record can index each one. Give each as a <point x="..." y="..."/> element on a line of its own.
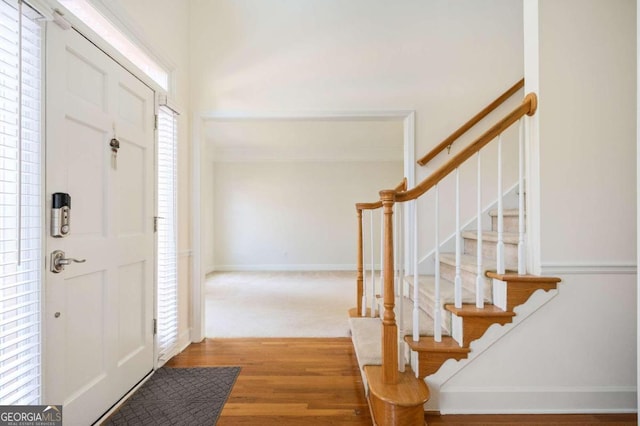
<point x="286" y="381"/>
<point x="317" y="382"/>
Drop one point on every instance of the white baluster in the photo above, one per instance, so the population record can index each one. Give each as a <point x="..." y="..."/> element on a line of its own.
<point x="437" y="314"/>
<point x="400" y="286"/>
<point x="364" y="271"/>
<point x="381" y="262"/>
<point x="416" y="288"/>
<point x="500" y="267"/>
<point x="521" y="243"/>
<point x="458" y="278"/>
<point x="397" y="249"/>
<point x="372" y="312"/>
<point x="479" y="272"/>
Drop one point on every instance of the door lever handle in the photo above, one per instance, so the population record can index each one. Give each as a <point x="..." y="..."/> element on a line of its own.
<point x="58" y="261"/>
<point x="70" y="260"/>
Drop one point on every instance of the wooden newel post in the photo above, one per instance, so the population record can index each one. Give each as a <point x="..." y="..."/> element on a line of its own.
<point x="389" y="326"/>
<point x="359" y="279"/>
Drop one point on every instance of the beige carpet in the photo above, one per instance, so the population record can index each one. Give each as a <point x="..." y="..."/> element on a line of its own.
<point x="279" y="304"/>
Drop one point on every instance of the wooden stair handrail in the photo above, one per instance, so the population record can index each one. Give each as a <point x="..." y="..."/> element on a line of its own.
<point x="402" y="186"/>
<point x="527" y="107"/>
<point x="472" y="122"/>
<point x="389" y="197"/>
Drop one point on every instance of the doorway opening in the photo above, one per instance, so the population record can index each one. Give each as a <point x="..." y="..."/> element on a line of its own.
<point x="277" y="193"/>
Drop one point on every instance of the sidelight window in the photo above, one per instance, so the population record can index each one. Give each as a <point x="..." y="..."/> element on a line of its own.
<point x="167" y="258"/>
<point x="20" y="204"/>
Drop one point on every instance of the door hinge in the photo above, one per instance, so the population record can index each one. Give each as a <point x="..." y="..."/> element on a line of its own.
<point x="155" y="326"/>
<point x="155" y="122"/>
<point x="155" y="223"/>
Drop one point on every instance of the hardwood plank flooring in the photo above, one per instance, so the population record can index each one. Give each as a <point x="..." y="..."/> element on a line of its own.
<point x="309" y="381"/>
<point x="286" y="381"/>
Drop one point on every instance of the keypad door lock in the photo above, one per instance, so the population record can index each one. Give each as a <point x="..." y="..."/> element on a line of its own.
<point x="58" y="261"/>
<point x="60" y="214"/>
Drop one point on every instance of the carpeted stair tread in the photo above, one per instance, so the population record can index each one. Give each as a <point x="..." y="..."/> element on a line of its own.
<point x="492" y="236"/>
<point x="468" y="262"/>
<point x="425" y="320"/>
<point x="505" y="212"/>
<point x="366" y="334"/>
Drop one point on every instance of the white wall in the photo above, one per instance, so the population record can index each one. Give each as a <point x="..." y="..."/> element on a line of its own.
<point x="281" y="194"/>
<point x="293" y="215"/>
<point x="587" y="128"/>
<point x="577" y="353"/>
<point x="164" y="26"/>
<point x="326" y="139"/>
<point x="362" y="55"/>
<point x="330" y="55"/>
<point x="638" y="187"/>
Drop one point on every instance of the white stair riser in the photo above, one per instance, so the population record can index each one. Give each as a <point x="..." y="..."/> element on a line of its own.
<point x="428" y="299"/>
<point x="456" y="325"/>
<point x="500" y="294"/>
<point x="489" y="252"/>
<point x="510" y="223"/>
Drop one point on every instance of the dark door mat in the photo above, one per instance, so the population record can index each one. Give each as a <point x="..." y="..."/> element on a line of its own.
<point x="178" y="396"/>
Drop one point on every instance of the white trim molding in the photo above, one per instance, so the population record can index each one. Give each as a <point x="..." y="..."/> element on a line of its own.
<point x="589" y="268"/>
<point x="537" y="399"/>
<point x="197" y="268"/>
<point x="638" y="187"/>
<point x="306" y="115"/>
<point x="185" y="253"/>
<point x="118" y="17"/>
<point x="183" y="340"/>
<point x="284" y="267"/>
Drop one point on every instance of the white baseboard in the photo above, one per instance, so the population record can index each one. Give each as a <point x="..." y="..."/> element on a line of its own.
<point x="283" y="267"/>
<point x="184" y="340"/>
<point x="537" y="400"/>
<point x="192" y="338"/>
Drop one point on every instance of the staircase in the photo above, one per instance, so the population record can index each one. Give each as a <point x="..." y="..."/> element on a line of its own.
<point x="473" y="322"/>
<point x="429" y="319"/>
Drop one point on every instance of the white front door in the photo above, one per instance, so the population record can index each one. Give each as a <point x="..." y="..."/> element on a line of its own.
<point x="98" y="316"/>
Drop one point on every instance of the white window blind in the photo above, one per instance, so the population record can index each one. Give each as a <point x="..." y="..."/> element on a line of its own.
<point x="167" y="268"/>
<point x="20" y="204"/>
